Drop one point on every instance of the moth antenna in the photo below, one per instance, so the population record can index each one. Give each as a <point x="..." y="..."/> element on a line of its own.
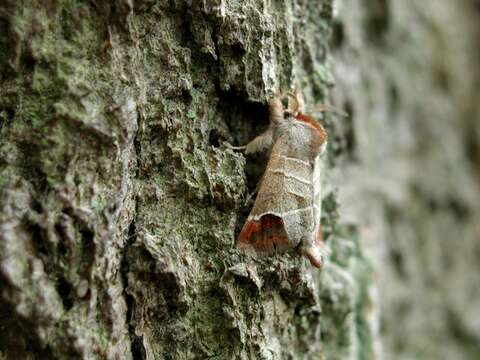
<point x="292" y="105"/>
<point x="296" y="104"/>
<point x="329" y="108"/>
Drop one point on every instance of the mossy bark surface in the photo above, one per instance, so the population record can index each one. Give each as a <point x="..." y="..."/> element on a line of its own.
<point x="120" y="203"/>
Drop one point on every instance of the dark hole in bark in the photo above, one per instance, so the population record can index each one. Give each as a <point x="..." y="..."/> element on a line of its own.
<point x="138" y="350"/>
<point x="460" y="210"/>
<point x="30" y="167"/>
<point x="186" y="96"/>
<point x="338" y="34"/>
<point x="28" y="62"/>
<point x="342" y="135"/>
<point x="217" y="198"/>
<point x="393" y="97"/>
<point x="442" y="78"/>
<point x="62" y="242"/>
<point x="255" y="168"/>
<point x="143" y="6"/>
<point x="7" y="114"/>
<point x="215" y="138"/>
<point x="38" y="237"/>
<point x="88" y="251"/>
<point x="238" y="50"/>
<point x="36" y="205"/>
<point x="170" y="290"/>
<point x="132" y="233"/>
<point x="398" y="262"/>
<point x="105" y="306"/>
<point x="4" y="40"/>
<point x="472" y="147"/>
<point x="378" y="21"/>
<point x="350" y="139"/>
<point x="245" y="120"/>
<point x="64" y="289"/>
<point x="66" y="25"/>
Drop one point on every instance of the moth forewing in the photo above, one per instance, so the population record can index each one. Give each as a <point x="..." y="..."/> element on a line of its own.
<point x="317" y="190"/>
<point x="315" y="249"/>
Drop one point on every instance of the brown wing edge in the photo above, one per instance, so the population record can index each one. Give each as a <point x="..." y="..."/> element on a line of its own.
<point x="317" y="251"/>
<point x="263" y="236"/>
<point x="316" y="125"/>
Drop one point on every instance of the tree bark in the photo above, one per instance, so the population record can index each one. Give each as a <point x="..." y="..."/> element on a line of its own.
<point x="120" y="203"/>
<point x="408" y="73"/>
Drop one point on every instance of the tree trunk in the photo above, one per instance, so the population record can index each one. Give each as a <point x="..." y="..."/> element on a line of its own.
<point x="121" y="203"/>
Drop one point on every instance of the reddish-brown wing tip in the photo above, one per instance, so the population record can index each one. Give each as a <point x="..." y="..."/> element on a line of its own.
<point x="263" y="235"/>
<point x="316" y="125"/>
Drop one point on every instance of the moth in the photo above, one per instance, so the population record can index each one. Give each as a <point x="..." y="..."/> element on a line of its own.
<point x="287" y="210"/>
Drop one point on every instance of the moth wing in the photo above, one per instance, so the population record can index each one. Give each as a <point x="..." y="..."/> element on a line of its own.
<point x="316" y="249"/>
<point x="263" y="235"/>
<point x="274" y="222"/>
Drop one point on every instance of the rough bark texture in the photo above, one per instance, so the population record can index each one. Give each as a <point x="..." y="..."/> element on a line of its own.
<point x="408" y="71"/>
<point x="120" y="203"/>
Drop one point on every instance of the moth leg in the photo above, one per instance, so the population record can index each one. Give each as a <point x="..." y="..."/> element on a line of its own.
<point x="261" y="142"/>
<point x="252" y="194"/>
<point x="235" y="148"/>
<point x="317" y="250"/>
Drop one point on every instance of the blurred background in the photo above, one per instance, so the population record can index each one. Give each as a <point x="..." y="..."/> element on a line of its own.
<point x="408" y="73"/>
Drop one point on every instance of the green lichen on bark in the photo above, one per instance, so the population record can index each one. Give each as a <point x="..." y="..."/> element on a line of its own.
<point x="120" y="203"/>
